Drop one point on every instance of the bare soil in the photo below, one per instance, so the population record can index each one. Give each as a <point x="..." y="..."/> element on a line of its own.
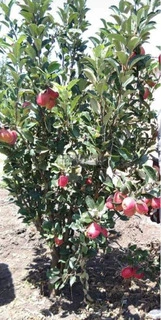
<point x="24" y="261"/>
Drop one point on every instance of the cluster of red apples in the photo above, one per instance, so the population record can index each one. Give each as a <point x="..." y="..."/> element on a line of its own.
<point x="129" y="206"/>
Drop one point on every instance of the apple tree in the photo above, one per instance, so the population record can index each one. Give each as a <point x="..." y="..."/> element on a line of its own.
<point x="76" y="125"/>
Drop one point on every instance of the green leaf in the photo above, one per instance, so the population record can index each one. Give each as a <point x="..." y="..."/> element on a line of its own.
<point x="38" y="44"/>
<point x="136" y="59"/>
<point x="72" y="280"/>
<point x="30" y="51"/>
<point x="117" y="18"/>
<point x="100" y="203"/>
<point x="113" y="63"/>
<point x="98" y="50"/>
<point x="122" y="56"/>
<point x="54" y="279"/>
<point x="95" y="105"/>
<point x="21" y="38"/>
<point x="15" y="76"/>
<point x="127" y="25"/>
<point x="126" y="155"/>
<point x="72" y="84"/>
<point x="12" y="57"/>
<point x="147" y="28"/>
<point x="90" y="202"/>
<point x="16" y="50"/>
<point x="117" y="45"/>
<point x="150" y="172"/>
<point x="101" y="86"/>
<point x="74" y="102"/>
<point x="85" y="218"/>
<point x="107" y="116"/>
<point x="27" y="15"/>
<point x="133" y="43"/>
<point x="140" y="14"/>
<point x="90" y="75"/>
<point x="53" y="66"/>
<point x="118" y="37"/>
<point x="115" y="9"/>
<point x="125" y="79"/>
<point x="33" y="29"/>
<point x="27" y="135"/>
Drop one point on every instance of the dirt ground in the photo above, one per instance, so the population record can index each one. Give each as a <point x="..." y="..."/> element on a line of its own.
<point x="24" y="261"/>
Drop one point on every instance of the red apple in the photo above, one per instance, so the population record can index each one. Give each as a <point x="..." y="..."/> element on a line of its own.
<point x="8" y="136"/>
<point x="93" y="230"/>
<point x="137" y="274"/>
<point x="104" y="231"/>
<point x="141" y="207"/>
<point x="109" y="202"/>
<point x="147" y="201"/>
<point x="42" y="99"/>
<point x="58" y="241"/>
<point x="127" y="272"/>
<point x="89" y="180"/>
<point x="14" y="136"/>
<point x="47" y="98"/>
<point x="142" y="50"/>
<point x="52" y="93"/>
<point x="156" y="203"/>
<point x="129" y="206"/>
<point x="117" y="200"/>
<point x="63" y="181"/>
<point x="146" y="93"/>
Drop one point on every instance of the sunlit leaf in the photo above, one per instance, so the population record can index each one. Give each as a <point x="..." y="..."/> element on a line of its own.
<point x="151" y="172"/>
<point x="90" y="202"/>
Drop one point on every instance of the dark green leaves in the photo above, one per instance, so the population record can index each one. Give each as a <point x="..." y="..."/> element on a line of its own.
<point x="150" y="172"/>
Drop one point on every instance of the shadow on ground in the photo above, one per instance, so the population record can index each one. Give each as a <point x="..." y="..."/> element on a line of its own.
<point x="7" y="293"/>
<point x="113" y="297"/>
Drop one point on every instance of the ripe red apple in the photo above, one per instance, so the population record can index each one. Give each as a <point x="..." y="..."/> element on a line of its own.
<point x="47" y="98"/>
<point x="127" y="272"/>
<point x="142" y="50"/>
<point x="5" y="135"/>
<point x="117" y="200"/>
<point x="53" y="94"/>
<point x="147" y="201"/>
<point x="129" y="206"/>
<point x="58" y="241"/>
<point x="14" y="137"/>
<point x="8" y="136"/>
<point x="109" y="202"/>
<point x="93" y="230"/>
<point x="146" y="93"/>
<point x="137" y="274"/>
<point x="89" y="180"/>
<point x="104" y="231"/>
<point x="42" y="99"/>
<point x="63" y="181"/>
<point x="141" y="207"/>
<point x="156" y="203"/>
